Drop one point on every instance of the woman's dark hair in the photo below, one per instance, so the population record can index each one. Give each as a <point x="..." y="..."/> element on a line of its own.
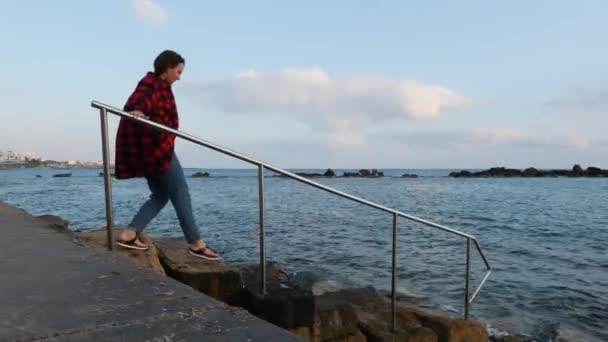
<point x="166" y="60"/>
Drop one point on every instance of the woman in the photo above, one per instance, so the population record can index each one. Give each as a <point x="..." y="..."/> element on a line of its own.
<point x="142" y="151"/>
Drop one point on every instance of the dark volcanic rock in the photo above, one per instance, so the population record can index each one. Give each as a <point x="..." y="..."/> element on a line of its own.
<point x="63" y="175"/>
<point x="532" y="172"/>
<point x="365" y="173"/>
<point x="500" y="172"/>
<point x="463" y="173"/>
<point x="595" y="172"/>
<point x="285" y="304"/>
<point x="214" y="278"/>
<point x="329" y="173"/>
<point x="200" y="175"/>
<point x="148" y="258"/>
<point x="577" y="171"/>
<point x="352" y="174"/>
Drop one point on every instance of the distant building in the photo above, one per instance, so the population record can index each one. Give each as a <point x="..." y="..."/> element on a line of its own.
<point x="25" y="156"/>
<point x="10" y="156"/>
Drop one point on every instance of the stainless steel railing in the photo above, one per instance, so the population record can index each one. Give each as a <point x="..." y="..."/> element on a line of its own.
<point x="468" y="298"/>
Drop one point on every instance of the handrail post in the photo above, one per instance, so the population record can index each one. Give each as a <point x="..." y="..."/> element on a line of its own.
<point x="467" y="280"/>
<point x="105" y="147"/>
<point x="262" y="234"/>
<point x="394" y="276"/>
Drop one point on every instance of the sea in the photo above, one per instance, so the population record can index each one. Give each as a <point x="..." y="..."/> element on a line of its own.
<point x="545" y="238"/>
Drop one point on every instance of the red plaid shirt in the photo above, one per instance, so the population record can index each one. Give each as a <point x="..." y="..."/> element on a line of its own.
<point x="142" y="150"/>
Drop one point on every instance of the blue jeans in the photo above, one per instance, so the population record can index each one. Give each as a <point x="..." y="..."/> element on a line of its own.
<point x="164" y="187"/>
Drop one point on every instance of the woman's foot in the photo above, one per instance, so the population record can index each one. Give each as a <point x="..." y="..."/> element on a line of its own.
<point x="201" y="250"/>
<point x="128" y="238"/>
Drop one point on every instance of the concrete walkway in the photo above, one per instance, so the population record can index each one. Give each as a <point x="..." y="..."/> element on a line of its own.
<point x="53" y="288"/>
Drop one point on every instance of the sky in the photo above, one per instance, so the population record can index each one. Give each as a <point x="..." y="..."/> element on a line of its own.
<point x="318" y="84"/>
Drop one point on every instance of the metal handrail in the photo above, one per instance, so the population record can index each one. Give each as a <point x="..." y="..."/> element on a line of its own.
<point x="104" y="109"/>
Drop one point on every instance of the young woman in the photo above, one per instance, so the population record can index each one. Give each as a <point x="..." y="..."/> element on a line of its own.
<point x="142" y="151"/>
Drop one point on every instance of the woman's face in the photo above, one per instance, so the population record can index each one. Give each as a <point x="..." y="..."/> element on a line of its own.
<point x="173" y="74"/>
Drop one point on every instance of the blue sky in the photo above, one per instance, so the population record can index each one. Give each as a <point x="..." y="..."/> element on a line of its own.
<point x="343" y="84"/>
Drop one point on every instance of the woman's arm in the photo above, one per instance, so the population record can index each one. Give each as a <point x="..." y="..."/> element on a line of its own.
<point x="141" y="100"/>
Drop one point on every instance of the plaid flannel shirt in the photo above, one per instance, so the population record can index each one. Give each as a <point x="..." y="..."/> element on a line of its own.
<point x="141" y="150"/>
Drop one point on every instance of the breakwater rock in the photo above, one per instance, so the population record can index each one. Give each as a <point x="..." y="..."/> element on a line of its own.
<point x="363" y="173"/>
<point x="576" y="171"/>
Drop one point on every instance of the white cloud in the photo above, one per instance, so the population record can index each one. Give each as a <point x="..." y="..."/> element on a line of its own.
<point x="315" y="97"/>
<point x="488" y="138"/>
<point x="149" y="11"/>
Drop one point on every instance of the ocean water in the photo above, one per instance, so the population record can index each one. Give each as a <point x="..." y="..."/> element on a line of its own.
<point x="546" y="238"/>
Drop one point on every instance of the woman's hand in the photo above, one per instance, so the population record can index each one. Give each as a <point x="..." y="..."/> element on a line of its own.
<point x="139" y="114"/>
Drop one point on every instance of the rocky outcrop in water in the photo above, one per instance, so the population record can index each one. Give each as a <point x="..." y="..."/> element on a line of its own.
<point x="309" y="175"/>
<point x="365" y="173"/>
<point x="63" y="175"/>
<point x="329" y="173"/>
<point x="576" y="171"/>
<point x="201" y="175"/>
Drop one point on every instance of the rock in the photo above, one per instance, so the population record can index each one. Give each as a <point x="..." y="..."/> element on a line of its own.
<point x="317" y="283"/>
<point x="304" y="332"/>
<point x="63" y="175"/>
<point x="407" y="175"/>
<point x="499" y="172"/>
<point x="332" y="320"/>
<point x="325" y="286"/>
<point x="285" y="304"/>
<point x="274" y="272"/>
<point x="452" y="329"/>
<point x="309" y="175"/>
<point x="329" y="173"/>
<point x="562" y="173"/>
<point x="576" y="171"/>
<point x="373" y="313"/>
<point x="594" y="172"/>
<point x="365" y="173"/>
<point x="55" y="222"/>
<point x="373" y="316"/>
<point x="214" y="278"/>
<point x="200" y="175"/>
<point x="352" y="174"/>
<point x="462" y="173"/>
<point x="379" y="331"/>
<point x="38" y="176"/>
<point x="148" y="258"/>
<point x="509" y="338"/>
<point x="531" y="172"/>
